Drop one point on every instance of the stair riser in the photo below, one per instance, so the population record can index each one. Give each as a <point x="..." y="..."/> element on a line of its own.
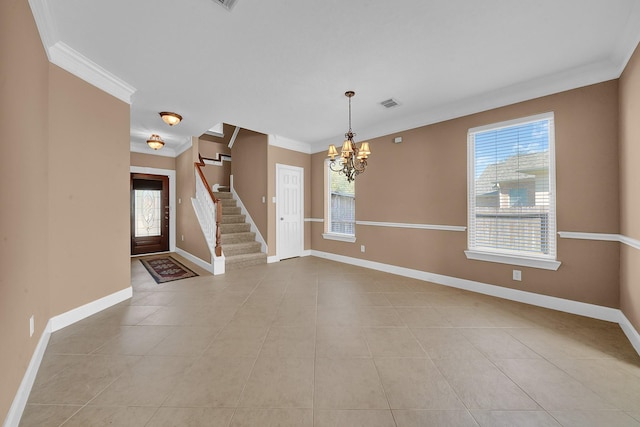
<point x="231" y="211"/>
<point x="237" y="238"/>
<point x="235" y="228"/>
<point x="254" y="247"/>
<point x="226" y="203"/>
<point x="223" y="195"/>
<point x="245" y="263"/>
<point x="232" y="219"/>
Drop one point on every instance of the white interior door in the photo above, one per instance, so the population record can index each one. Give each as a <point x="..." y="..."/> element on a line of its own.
<point x="289" y="211"/>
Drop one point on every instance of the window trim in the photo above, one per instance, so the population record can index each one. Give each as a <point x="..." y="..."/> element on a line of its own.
<point x="549" y="262"/>
<point x="328" y="234"/>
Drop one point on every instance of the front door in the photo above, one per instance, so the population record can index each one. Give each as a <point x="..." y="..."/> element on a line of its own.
<point x="149" y="213"/>
<point x="289" y="210"/>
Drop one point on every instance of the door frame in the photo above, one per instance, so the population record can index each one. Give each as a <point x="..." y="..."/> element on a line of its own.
<point x="279" y="168"/>
<point x="171" y="174"/>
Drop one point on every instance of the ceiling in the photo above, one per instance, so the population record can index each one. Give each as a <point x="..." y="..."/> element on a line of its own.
<point x="281" y="67"/>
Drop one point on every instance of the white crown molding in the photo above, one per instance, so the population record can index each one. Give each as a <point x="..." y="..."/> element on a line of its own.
<point x="45" y="23"/>
<point x="289" y="144"/>
<point x="234" y="136"/>
<point x="183" y="147"/>
<point x="217" y="130"/>
<point x="142" y="147"/>
<point x="536" y="88"/>
<point x="628" y="42"/>
<point x="68" y="59"/>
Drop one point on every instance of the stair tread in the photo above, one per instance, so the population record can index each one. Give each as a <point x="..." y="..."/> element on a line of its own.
<point x="241" y="244"/>
<point x="223" y="195"/>
<point x="233" y="218"/>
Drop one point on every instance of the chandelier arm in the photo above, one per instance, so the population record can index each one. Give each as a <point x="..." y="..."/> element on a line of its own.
<point x="332" y="163"/>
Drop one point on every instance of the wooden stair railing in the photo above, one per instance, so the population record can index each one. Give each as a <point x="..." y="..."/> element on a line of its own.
<point x="199" y="165"/>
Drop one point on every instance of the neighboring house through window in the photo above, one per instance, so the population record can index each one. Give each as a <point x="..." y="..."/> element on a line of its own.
<point x="340" y="207"/>
<point x="512" y="213"/>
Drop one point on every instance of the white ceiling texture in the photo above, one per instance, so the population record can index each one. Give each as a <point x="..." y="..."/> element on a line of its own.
<point x="281" y="67"/>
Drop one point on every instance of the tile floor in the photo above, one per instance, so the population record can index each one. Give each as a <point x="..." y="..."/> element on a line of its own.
<point x="312" y="342"/>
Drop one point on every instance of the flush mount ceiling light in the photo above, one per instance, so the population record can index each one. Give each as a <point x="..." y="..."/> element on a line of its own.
<point x="353" y="159"/>
<point x="171" y="119"/>
<point x="155" y="142"/>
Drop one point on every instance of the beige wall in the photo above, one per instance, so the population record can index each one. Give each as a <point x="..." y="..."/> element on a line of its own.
<point x="629" y="185"/>
<point x="151" y="161"/>
<point x="277" y="155"/>
<point x="24" y="238"/>
<point x="424" y="180"/>
<point x="215" y="174"/>
<point x="65" y="181"/>
<point x="89" y="199"/>
<point x="187" y="225"/>
<point x="249" y="170"/>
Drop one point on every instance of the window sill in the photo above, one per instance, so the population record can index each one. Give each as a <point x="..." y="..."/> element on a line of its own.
<point x="339" y="237"/>
<point x="545" y="264"/>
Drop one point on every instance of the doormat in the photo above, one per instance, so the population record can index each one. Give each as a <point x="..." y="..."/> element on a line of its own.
<point x="166" y="269"/>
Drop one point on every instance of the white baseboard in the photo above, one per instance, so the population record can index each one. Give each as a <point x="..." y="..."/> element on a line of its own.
<point x="54" y="324"/>
<point x="631" y="333"/>
<point x="194" y="259"/>
<point x="254" y="228"/>
<point x="72" y="316"/>
<point x="22" y="395"/>
<point x="560" y="304"/>
<point x="274" y="258"/>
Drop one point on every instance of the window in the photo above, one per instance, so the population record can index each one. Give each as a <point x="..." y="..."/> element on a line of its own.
<point x="512" y="216"/>
<point x="340" y="200"/>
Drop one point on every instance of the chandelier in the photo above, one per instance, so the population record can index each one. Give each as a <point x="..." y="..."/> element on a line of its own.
<point x="353" y="159"/>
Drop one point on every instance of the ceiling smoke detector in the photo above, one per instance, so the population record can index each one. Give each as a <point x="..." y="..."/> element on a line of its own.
<point x="389" y="103"/>
<point x="227" y="4"/>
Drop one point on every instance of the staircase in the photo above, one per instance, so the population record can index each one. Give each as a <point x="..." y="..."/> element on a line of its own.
<point x="238" y="241"/>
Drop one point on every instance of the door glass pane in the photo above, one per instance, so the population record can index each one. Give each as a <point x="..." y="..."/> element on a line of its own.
<point x="148" y="212"/>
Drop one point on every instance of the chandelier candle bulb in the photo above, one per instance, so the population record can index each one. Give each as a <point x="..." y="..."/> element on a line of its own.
<point x="333" y="152"/>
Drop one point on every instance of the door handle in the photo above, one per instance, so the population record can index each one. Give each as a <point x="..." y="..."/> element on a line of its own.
<point x="281" y="219"/>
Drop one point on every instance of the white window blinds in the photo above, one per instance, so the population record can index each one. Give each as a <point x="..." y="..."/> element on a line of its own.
<point x="512" y="188"/>
<point x="342" y="204"/>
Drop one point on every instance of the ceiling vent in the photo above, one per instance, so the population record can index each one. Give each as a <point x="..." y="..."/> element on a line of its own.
<point x="227" y="4"/>
<point x="389" y="103"/>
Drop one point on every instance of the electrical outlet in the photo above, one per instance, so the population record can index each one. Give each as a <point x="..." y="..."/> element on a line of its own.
<point x="264" y="199"/>
<point x="182" y="237"/>
<point x="32" y="325"/>
<point x="179" y="200"/>
<point x="517" y="275"/>
<point x="362" y="248"/>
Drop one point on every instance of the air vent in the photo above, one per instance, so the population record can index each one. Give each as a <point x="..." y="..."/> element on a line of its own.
<point x="389" y="103"/>
<point x="227" y="4"/>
